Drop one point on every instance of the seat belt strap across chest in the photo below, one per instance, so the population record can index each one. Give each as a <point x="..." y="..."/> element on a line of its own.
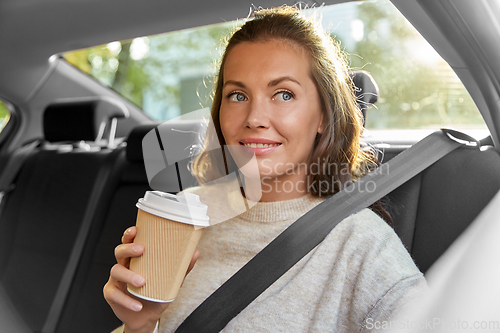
<point x="308" y="231"/>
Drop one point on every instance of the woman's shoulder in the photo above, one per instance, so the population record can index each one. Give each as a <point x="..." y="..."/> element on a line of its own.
<point x="370" y="239"/>
<point x="381" y="268"/>
<point x="367" y="223"/>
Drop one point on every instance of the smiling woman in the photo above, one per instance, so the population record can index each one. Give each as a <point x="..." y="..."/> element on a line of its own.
<point x="283" y="94"/>
<point x="162" y="56"/>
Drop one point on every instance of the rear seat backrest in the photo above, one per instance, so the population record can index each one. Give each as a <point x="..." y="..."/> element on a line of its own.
<point x="42" y="216"/>
<point x="432" y="209"/>
<point x="86" y="309"/>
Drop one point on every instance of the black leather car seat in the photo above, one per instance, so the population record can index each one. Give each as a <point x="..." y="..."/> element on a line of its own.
<point x="57" y="189"/>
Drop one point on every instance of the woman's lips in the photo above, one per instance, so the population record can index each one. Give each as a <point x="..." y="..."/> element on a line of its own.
<point x="260" y="148"/>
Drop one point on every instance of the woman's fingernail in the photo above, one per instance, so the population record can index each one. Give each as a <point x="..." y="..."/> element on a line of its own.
<point x="136" y="306"/>
<point x="138" y="280"/>
<point x="136" y="249"/>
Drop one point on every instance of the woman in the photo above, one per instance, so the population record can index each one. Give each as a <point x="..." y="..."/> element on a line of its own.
<point x="283" y="92"/>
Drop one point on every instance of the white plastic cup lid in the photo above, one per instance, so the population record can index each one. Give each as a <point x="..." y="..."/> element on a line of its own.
<point x="185" y="208"/>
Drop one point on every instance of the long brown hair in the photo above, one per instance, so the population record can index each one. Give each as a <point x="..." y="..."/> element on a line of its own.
<point x="337" y="156"/>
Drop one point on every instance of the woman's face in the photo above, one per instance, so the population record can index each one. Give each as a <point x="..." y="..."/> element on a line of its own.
<point x="270" y="105"/>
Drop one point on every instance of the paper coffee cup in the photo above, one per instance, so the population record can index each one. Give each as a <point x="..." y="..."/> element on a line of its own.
<point x="169" y="226"/>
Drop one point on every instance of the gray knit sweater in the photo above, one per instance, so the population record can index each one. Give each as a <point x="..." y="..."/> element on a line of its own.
<point x="360" y="274"/>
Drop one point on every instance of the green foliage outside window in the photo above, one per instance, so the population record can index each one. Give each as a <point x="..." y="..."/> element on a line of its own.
<point x="418" y="89"/>
<point x="166" y="75"/>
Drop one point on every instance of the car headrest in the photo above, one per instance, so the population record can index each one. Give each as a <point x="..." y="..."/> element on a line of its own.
<point x="87" y="118"/>
<point x="366" y="90"/>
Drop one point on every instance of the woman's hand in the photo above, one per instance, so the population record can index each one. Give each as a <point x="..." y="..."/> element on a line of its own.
<point x="138" y="315"/>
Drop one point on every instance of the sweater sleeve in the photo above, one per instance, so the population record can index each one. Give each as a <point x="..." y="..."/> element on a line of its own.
<point x="384" y="314"/>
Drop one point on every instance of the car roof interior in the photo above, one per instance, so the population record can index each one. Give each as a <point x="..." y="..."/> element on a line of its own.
<point x="83" y="214"/>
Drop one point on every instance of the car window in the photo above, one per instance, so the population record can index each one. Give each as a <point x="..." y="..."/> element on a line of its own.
<point x="418" y="89"/>
<point x="4" y="115"/>
<point x="171" y="74"/>
<point x="165" y="75"/>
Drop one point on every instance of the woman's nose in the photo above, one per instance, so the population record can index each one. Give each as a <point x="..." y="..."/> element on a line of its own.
<point x="257" y="116"/>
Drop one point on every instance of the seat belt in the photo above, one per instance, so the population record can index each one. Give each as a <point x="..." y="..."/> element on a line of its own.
<point x="13" y="166"/>
<point x="308" y="231"/>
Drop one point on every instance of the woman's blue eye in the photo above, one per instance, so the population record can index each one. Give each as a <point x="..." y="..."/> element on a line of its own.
<point x="237" y="97"/>
<point x="284" y="96"/>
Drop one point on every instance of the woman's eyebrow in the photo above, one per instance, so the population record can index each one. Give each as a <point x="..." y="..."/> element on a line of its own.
<point x="270" y="84"/>
<point x="235" y="83"/>
<point x="281" y="79"/>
